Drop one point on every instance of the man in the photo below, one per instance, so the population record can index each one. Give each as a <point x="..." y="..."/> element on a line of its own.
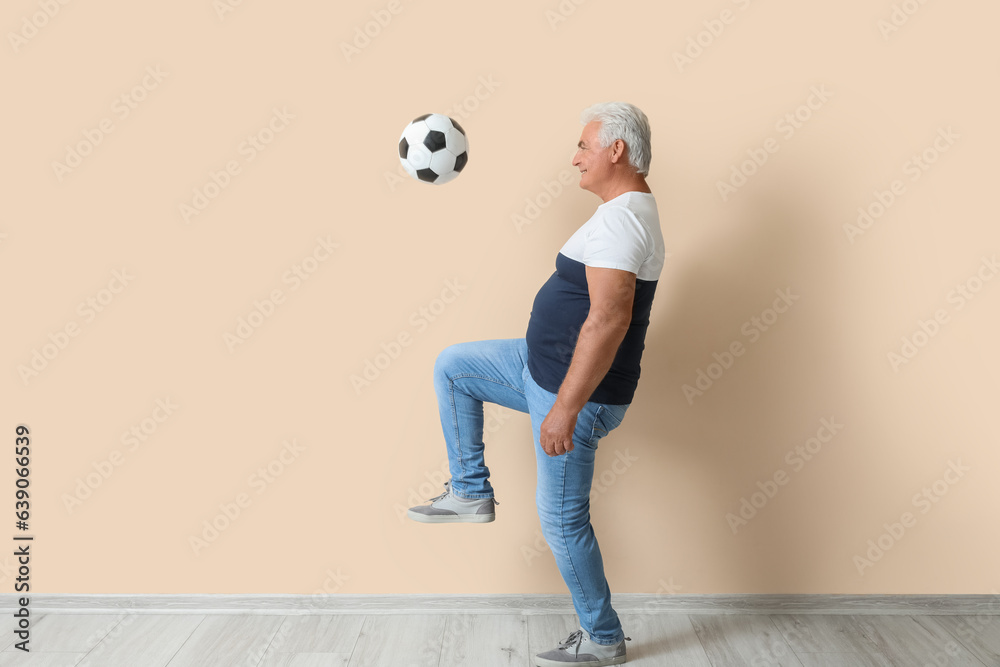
<point x="575" y="373"/>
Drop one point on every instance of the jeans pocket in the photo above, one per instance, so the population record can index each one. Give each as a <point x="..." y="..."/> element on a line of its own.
<point x="606" y="419"/>
<point x="611" y="416"/>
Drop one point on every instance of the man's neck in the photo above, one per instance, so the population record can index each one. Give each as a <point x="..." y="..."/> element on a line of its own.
<point x="631" y="185"/>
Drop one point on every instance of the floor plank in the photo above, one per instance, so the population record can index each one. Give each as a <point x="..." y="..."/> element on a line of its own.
<point x="906" y="642"/>
<point x="307" y="660"/>
<point x="317" y="633"/>
<point x="824" y="633"/>
<point x="662" y="640"/>
<point x="7" y="640"/>
<point x="979" y="634"/>
<point x="40" y="659"/>
<point x="485" y="640"/>
<point x="150" y="640"/>
<point x="413" y="640"/>
<point x="68" y="633"/>
<point x="844" y="660"/>
<point x="738" y="640"/>
<point x="227" y="640"/>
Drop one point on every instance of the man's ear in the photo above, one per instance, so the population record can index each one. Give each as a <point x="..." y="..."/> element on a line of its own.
<point x="617" y="150"/>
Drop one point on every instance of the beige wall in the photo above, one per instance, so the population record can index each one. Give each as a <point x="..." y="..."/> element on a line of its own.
<point x="675" y="474"/>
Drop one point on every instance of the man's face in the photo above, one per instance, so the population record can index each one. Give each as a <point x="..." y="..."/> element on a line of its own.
<point x="593" y="161"/>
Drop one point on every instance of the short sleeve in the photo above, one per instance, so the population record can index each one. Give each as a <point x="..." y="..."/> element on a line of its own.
<point x="617" y="240"/>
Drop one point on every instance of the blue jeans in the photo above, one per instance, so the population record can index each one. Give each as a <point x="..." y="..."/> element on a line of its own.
<point x="466" y="375"/>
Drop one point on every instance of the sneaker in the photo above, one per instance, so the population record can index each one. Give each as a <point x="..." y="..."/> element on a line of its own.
<point x="578" y="649"/>
<point x="449" y="508"/>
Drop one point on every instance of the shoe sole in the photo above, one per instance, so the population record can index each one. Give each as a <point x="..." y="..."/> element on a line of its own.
<point x="545" y="662"/>
<point x="451" y="518"/>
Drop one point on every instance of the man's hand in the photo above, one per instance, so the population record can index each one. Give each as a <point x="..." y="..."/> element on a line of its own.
<point x="557" y="430"/>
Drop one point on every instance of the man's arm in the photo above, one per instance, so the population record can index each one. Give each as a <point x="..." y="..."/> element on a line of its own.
<point x="612" y="292"/>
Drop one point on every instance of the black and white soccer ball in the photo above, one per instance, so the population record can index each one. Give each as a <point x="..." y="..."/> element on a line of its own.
<point x="433" y="148"/>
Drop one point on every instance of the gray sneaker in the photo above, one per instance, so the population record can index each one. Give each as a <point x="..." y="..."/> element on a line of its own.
<point x="449" y="508"/>
<point x="578" y="649"/>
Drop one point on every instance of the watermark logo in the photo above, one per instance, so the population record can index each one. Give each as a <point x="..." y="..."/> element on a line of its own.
<point x="769" y="488"/>
<point x="787" y="125"/>
<point x="928" y="329"/>
<point x="752" y="329"/>
<point x="420" y="320"/>
<point x="230" y="511"/>
<point x="915" y="167"/>
<point x="900" y="16"/>
<point x="924" y="500"/>
<point x="88" y="309"/>
<point x="248" y="149"/>
<point x="264" y="309"/>
<point x="31" y="25"/>
<point x="363" y="35"/>
<point x="121" y="108"/>
<point x="713" y="29"/>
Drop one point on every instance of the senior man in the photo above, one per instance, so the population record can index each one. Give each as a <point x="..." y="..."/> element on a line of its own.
<point x="575" y="372"/>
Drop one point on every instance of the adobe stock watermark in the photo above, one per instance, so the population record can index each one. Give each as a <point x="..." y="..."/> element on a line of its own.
<point x="132" y="438"/>
<point x="121" y="108"/>
<point x="264" y="309"/>
<point x="713" y="29"/>
<point x="248" y="149"/>
<point x="332" y="584"/>
<point x="963" y="293"/>
<point x="493" y="420"/>
<point x="458" y="628"/>
<point x="230" y="511"/>
<point x="602" y="483"/>
<point x="547" y="193"/>
<point x="105" y="637"/>
<point x="664" y="588"/>
<point x="797" y="458"/>
<point x="971" y="628"/>
<point x="778" y="653"/>
<point x="914" y="167"/>
<point x="30" y="25"/>
<point x="419" y="321"/>
<point x="562" y="12"/>
<point x="370" y="30"/>
<point x="224" y="7"/>
<point x="753" y="329"/>
<point x="88" y="310"/>
<point x="265" y="649"/>
<point x="787" y="126"/>
<point x="485" y="87"/>
<point x="924" y="500"/>
<point x="900" y="15"/>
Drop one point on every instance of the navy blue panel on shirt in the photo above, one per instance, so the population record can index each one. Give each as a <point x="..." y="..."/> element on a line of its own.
<point x="558" y="313"/>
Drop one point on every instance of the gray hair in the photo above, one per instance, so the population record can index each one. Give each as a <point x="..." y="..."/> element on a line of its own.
<point x="621" y="120"/>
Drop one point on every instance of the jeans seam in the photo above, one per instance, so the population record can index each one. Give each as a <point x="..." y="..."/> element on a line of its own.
<point x="484" y="377"/>
<point x="454" y="413"/>
<point x="562" y="532"/>
<point x="595" y="428"/>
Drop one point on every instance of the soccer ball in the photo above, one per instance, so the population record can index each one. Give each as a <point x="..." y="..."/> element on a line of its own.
<point x="433" y="148"/>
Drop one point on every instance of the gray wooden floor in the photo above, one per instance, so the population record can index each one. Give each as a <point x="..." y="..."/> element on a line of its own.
<point x="488" y="640"/>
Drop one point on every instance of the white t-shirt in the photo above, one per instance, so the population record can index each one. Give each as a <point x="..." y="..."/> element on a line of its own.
<point x="624" y="233"/>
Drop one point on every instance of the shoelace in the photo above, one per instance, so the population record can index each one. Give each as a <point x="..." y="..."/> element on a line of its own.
<point x="447" y="490"/>
<point x="574" y="640"/>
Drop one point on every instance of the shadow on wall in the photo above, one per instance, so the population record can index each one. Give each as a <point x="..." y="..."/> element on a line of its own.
<point x="727" y="420"/>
